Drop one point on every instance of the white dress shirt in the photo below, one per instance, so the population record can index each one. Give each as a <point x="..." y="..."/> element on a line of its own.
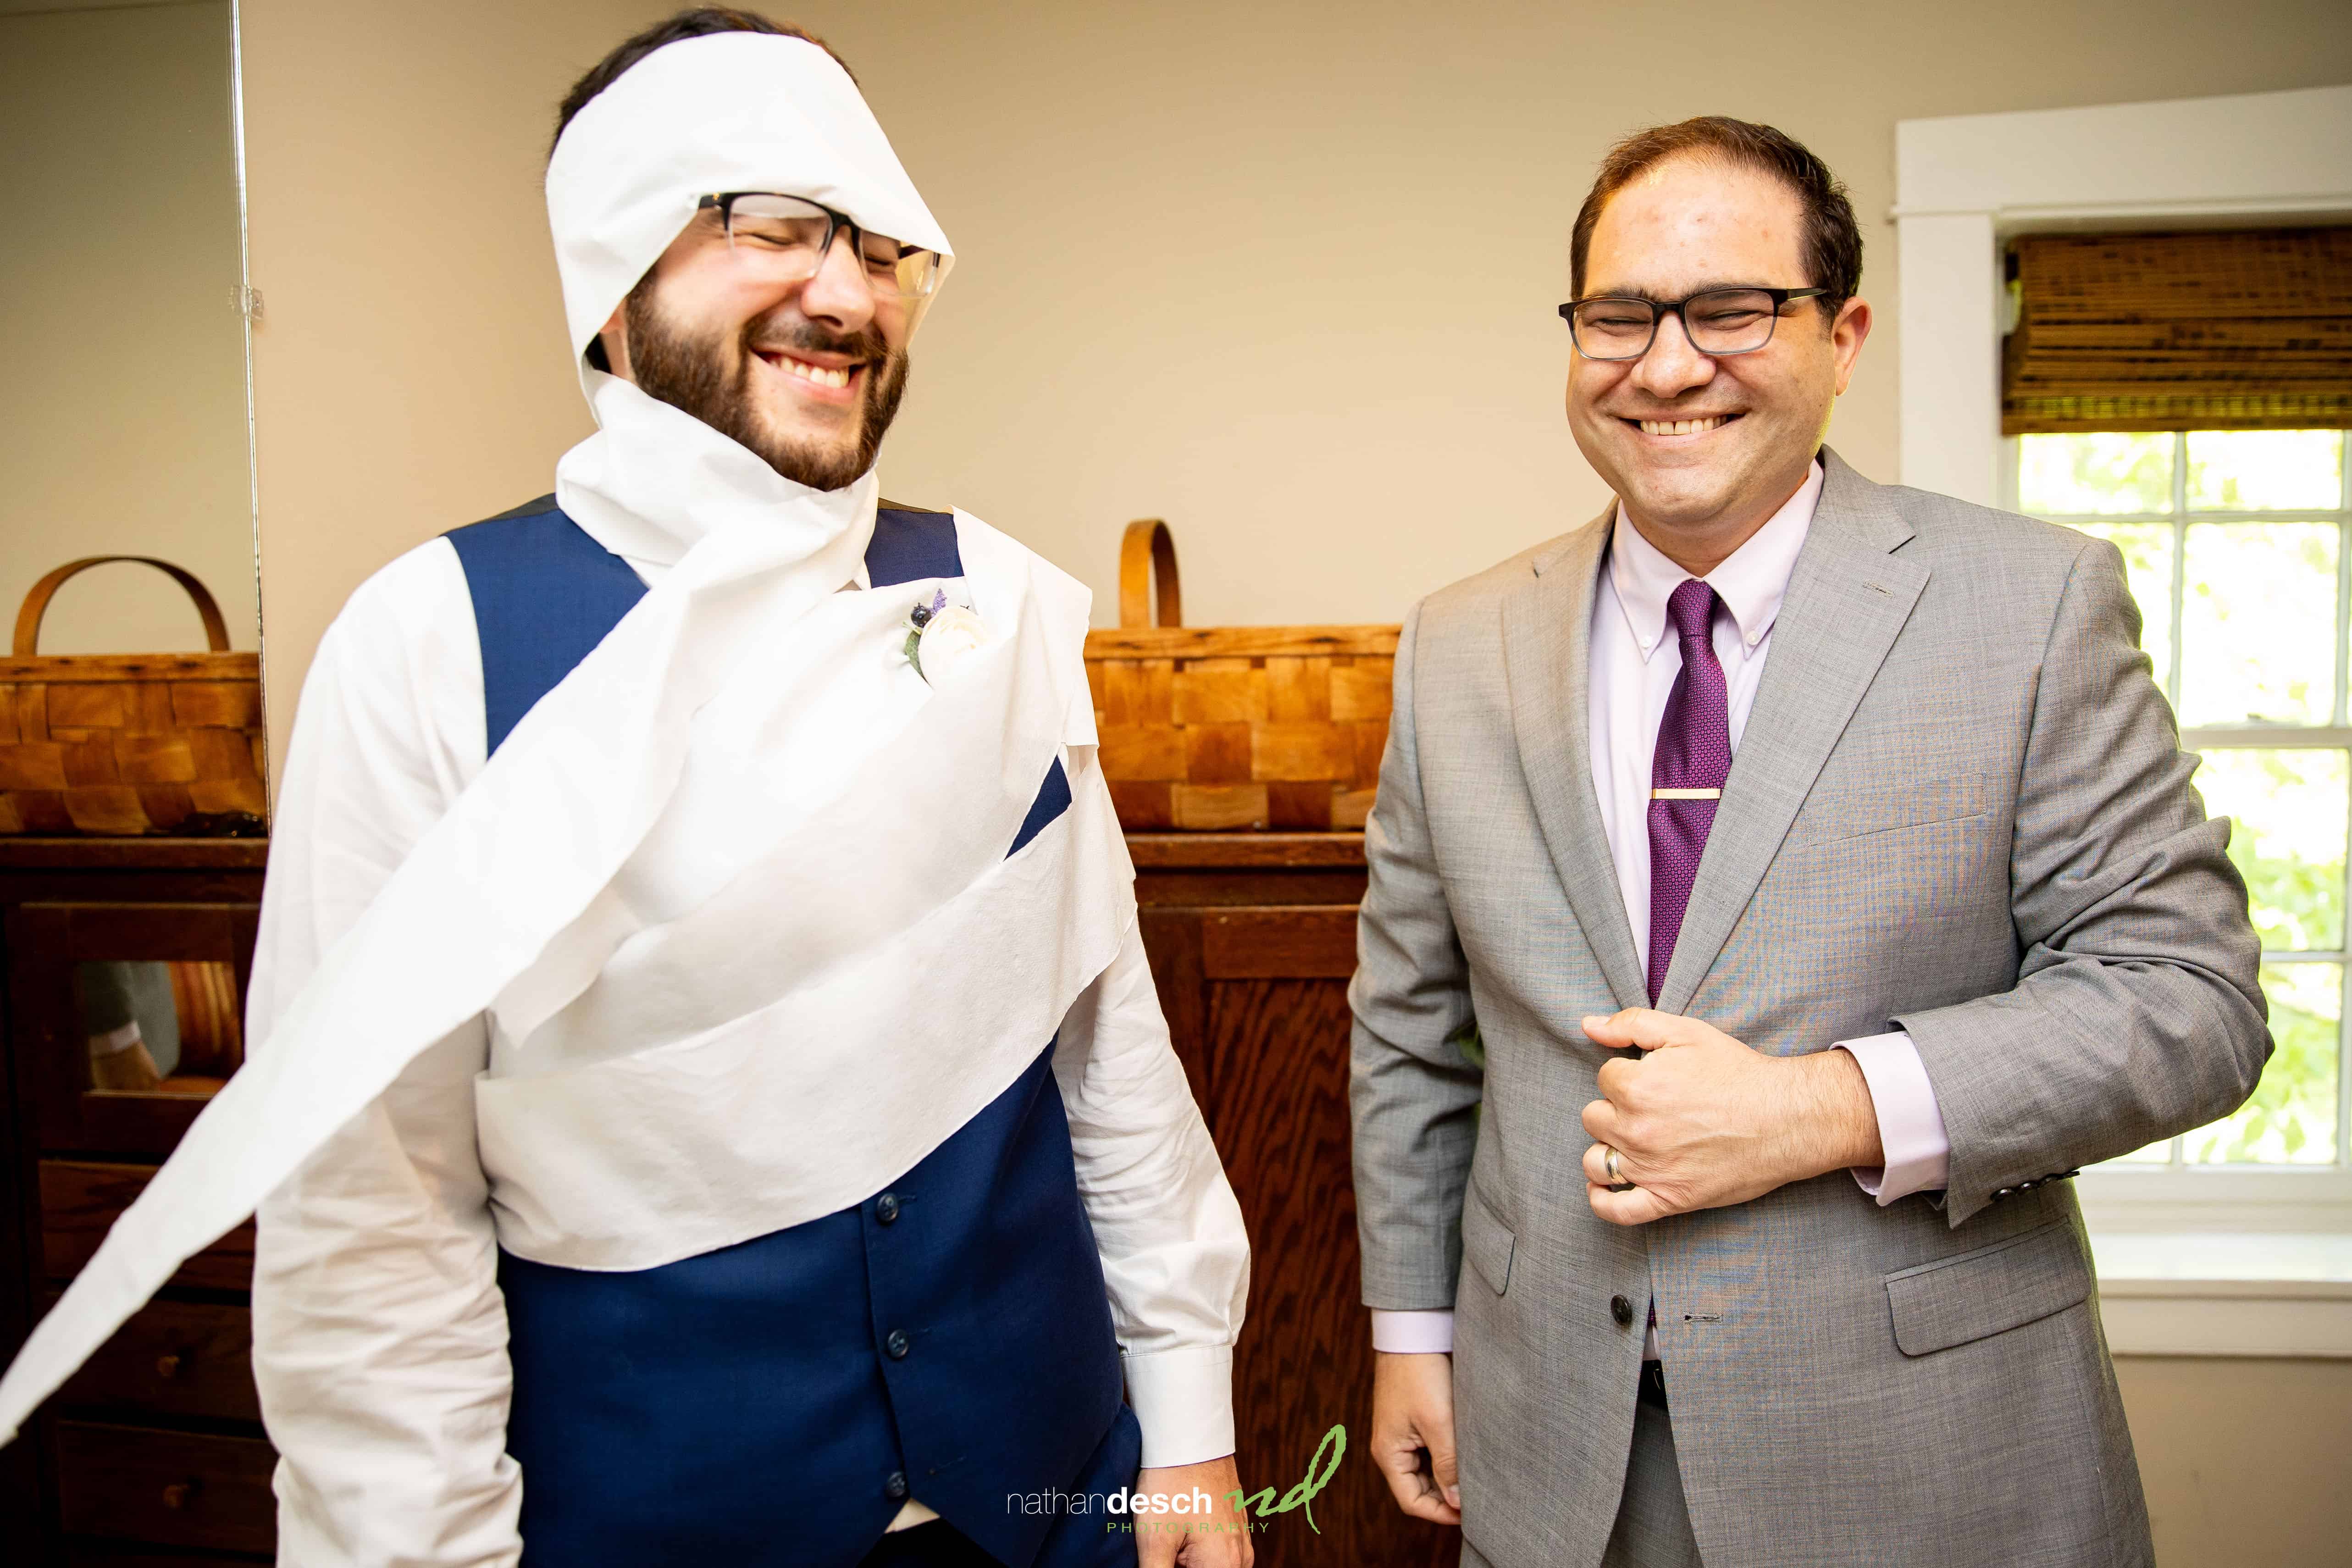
<point x="1633" y="665"/>
<point x="380" y="1333"/>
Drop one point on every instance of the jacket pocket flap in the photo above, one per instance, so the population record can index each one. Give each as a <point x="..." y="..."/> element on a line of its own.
<point x="1836" y="816"/>
<point x="2005" y="1286"/>
<point x="1486" y="1243"/>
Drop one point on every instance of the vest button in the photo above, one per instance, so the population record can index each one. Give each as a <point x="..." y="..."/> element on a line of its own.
<point x="897" y="1344"/>
<point x="886" y="1207"/>
<point x="1622" y="1310"/>
<point x="895" y="1488"/>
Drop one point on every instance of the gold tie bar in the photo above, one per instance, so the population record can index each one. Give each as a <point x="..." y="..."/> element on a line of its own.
<point x="1686" y="794"/>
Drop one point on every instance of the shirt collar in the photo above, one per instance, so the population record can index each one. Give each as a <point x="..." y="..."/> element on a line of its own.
<point x="1750" y="584"/>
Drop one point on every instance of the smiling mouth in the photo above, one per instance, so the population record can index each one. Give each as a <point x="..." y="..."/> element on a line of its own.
<point x="1683" y="427"/>
<point x="810" y="371"/>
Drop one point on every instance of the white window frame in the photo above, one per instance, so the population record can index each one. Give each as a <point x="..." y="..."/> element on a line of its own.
<point x="1964" y="186"/>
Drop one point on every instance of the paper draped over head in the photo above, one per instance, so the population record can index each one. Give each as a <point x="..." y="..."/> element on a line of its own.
<point x="731" y="111"/>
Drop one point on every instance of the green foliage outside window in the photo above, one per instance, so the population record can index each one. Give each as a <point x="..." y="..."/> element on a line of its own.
<point x="2291" y="1120"/>
<point x="2232" y="543"/>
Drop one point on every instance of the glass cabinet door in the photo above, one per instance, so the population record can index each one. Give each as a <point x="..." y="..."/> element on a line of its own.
<point x="127" y="1018"/>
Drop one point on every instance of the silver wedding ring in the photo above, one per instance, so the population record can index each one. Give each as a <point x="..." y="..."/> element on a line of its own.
<point x="1609" y="1168"/>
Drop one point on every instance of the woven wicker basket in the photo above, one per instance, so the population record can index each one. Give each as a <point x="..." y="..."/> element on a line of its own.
<point x="129" y="743"/>
<point x="1230" y="727"/>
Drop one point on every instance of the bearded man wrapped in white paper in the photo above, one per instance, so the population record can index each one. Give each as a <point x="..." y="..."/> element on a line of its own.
<point x="708" y="1101"/>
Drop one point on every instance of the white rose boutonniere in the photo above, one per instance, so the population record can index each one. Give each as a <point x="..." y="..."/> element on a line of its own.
<point x="941" y="635"/>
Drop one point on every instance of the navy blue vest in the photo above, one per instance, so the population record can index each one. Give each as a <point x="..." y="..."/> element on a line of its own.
<point x="774" y="1402"/>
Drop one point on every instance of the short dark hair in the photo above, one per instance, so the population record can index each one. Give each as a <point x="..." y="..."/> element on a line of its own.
<point x="700" y="21"/>
<point x="1831" y="245"/>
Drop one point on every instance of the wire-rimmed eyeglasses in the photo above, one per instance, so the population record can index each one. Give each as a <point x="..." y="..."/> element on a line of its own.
<point x="786" y="239"/>
<point x="1717" y="322"/>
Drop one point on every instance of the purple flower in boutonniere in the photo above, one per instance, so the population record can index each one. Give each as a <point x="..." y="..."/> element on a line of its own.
<point x="941" y="635"/>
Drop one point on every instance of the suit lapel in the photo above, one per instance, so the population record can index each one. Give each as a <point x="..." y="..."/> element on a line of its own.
<point x="1848" y="598"/>
<point x="1547" y="648"/>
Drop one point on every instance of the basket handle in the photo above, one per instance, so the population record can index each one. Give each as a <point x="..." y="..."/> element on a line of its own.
<point x="1149" y="552"/>
<point x="37" y="602"/>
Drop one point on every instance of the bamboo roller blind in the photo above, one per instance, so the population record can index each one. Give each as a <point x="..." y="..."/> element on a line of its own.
<point x="2217" y="329"/>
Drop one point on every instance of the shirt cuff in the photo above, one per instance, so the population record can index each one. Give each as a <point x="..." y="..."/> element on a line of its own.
<point x="1910" y="1124"/>
<point x="1183" y="1401"/>
<point x="1413" y="1334"/>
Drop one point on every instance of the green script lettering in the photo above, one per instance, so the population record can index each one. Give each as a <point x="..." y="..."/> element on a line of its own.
<point x="1264" y="1499"/>
<point x="1302" y="1495"/>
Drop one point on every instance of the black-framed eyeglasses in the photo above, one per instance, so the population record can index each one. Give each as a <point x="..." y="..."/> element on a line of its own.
<point x="786" y="239"/>
<point x="1717" y="322"/>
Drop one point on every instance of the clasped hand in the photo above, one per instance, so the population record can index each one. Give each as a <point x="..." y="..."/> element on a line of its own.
<point x="1702" y="1120"/>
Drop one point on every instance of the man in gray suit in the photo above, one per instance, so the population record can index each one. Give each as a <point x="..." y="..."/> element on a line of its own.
<point x="1826" y="847"/>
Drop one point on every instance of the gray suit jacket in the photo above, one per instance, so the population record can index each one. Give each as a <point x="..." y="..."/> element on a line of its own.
<point x="1959" y="809"/>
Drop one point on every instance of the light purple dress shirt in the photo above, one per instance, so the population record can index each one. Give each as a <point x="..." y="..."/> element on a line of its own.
<point x="1633" y="665"/>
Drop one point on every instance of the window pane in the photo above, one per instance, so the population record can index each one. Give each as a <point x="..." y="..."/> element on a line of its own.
<point x="2287" y="811"/>
<point x="2101" y="474"/>
<point x="2148" y="571"/>
<point x="2258" y="624"/>
<point x="2291" y="1118"/>
<point x="2265" y="471"/>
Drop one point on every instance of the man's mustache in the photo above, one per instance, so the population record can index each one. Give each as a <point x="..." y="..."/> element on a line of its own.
<point x="806" y="338"/>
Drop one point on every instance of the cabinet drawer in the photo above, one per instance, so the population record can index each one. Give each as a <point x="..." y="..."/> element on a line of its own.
<point x="176" y="1358"/>
<point x="81" y="1200"/>
<point x="174" y="1489"/>
<point x="1300" y="943"/>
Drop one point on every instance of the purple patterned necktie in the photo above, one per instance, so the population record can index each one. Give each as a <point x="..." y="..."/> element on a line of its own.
<point x="1687" y="772"/>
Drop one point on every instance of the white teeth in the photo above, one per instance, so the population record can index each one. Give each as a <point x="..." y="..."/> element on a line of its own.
<point x="815" y="373"/>
<point x="1680" y="427"/>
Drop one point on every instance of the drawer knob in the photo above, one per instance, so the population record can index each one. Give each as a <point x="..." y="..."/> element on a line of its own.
<point x="180" y="1494"/>
<point x="167" y="1365"/>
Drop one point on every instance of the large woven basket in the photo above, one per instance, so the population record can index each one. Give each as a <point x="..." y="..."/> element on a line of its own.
<point x="1232" y="727"/>
<point x="129" y="743"/>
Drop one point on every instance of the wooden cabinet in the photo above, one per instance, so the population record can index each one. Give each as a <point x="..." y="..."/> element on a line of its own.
<point x="166" y="1488"/>
<point x="152" y="1453"/>
<point x="155" y="1448"/>
<point x="1253" y="938"/>
<point x="81" y="1199"/>
<point x="183" y="1358"/>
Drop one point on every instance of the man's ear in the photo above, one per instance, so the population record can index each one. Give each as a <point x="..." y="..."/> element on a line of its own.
<point x="610" y="351"/>
<point x="1846" y="335"/>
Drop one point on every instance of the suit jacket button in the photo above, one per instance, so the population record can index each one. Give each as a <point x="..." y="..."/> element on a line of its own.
<point x="895" y="1488"/>
<point x="1622" y="1310"/>
<point x="1999" y="1193"/>
<point x="886" y="1207"/>
<point x="896" y="1345"/>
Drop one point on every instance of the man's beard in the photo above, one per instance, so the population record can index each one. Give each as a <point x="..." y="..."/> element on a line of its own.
<point x="691" y="373"/>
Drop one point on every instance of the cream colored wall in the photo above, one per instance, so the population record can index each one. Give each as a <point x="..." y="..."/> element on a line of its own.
<point x="2244" y="1461"/>
<point x="1286" y="273"/>
<point x="1282" y="274"/>
<point x="409" y="373"/>
<point x="122" y="402"/>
